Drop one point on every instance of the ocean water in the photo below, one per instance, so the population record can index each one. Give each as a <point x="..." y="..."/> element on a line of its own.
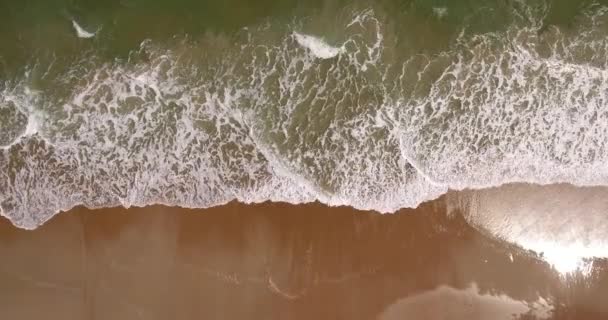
<point x="372" y="104"/>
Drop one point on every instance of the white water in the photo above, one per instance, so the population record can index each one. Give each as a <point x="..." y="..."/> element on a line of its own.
<point x="81" y="32"/>
<point x="317" y="46"/>
<point x="499" y="110"/>
<point x="440" y="12"/>
<point x="18" y="120"/>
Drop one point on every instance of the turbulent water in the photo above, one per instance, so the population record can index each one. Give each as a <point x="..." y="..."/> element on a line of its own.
<point x="376" y="105"/>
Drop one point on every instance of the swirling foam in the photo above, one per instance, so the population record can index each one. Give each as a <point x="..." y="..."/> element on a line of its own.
<point x="317" y="47"/>
<point x="268" y="120"/>
<point x="81" y="32"/>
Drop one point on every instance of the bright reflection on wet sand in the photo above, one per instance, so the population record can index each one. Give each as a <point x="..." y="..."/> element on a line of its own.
<point x="563" y="223"/>
<point x="280" y="261"/>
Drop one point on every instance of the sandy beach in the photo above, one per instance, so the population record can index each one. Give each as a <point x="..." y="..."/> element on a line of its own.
<point x="280" y="261"/>
<point x="358" y="159"/>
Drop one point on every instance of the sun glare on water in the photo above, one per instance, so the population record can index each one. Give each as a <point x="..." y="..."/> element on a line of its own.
<point x="567" y="259"/>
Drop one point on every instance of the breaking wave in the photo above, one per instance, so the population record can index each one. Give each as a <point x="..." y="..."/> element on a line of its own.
<point x="284" y="116"/>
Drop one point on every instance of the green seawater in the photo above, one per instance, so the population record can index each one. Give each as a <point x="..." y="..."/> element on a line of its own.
<point x="37" y="30"/>
<point x="374" y="104"/>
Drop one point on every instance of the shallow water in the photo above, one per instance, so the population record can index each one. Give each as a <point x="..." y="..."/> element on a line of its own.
<point x="375" y="105"/>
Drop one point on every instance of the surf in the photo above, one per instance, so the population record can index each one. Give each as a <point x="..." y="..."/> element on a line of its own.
<point x="291" y="118"/>
<point x="316" y="46"/>
<point x="81" y="32"/>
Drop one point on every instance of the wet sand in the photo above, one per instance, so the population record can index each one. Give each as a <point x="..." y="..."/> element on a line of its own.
<point x="281" y="261"/>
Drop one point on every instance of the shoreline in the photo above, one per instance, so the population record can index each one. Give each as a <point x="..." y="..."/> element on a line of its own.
<point x="452" y="198"/>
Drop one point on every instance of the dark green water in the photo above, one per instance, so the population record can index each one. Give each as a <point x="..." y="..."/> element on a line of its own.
<point x="34" y="30"/>
<point x="373" y="104"/>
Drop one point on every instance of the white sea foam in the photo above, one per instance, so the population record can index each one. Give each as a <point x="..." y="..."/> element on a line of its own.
<point x="440" y="12"/>
<point x="317" y="46"/>
<point x="280" y="124"/>
<point x="81" y="32"/>
<point x="17" y="117"/>
<point x="528" y="109"/>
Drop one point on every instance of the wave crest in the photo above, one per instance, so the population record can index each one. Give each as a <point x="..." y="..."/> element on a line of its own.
<point x="267" y="120"/>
